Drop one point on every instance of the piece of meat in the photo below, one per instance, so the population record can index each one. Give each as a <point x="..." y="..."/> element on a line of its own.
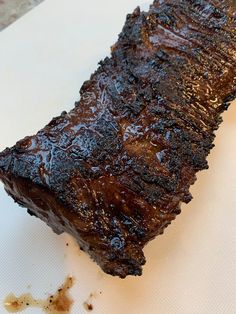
<point x="114" y="170"/>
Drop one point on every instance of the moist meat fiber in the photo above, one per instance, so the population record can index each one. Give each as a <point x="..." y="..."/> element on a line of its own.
<point x="114" y="170"/>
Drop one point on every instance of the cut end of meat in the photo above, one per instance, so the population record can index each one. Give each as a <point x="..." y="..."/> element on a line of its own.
<point x="114" y="255"/>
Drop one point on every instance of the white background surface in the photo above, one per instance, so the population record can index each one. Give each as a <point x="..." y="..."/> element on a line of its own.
<point x="44" y="59"/>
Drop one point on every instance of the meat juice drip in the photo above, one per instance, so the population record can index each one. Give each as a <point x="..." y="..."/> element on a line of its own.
<point x="59" y="303"/>
<point x="88" y="306"/>
<point x="15" y="304"/>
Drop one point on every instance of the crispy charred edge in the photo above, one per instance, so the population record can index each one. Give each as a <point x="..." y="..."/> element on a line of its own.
<point x="43" y="204"/>
<point x="226" y="103"/>
<point x="148" y="178"/>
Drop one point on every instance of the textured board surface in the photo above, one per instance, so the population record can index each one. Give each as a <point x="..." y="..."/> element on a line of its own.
<point x="10" y="11"/>
<point x="45" y="57"/>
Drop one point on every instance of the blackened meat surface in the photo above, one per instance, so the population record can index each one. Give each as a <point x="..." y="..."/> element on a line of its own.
<point x="113" y="171"/>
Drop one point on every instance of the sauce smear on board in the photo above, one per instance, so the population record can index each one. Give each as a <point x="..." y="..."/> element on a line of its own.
<point x="59" y="303"/>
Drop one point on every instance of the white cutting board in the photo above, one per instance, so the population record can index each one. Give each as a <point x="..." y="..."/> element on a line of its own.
<point x="44" y="59"/>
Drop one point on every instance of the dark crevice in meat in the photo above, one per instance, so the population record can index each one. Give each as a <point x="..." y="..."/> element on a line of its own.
<point x="114" y="170"/>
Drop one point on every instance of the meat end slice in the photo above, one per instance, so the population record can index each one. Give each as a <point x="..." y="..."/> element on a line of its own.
<point x="114" y="170"/>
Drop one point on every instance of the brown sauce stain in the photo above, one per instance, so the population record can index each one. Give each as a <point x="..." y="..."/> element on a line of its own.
<point x="88" y="306"/>
<point x="59" y="303"/>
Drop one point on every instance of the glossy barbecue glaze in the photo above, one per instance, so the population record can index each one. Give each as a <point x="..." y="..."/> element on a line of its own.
<point x="113" y="171"/>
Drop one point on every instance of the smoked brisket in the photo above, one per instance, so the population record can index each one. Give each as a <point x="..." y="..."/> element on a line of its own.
<point x="114" y="170"/>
